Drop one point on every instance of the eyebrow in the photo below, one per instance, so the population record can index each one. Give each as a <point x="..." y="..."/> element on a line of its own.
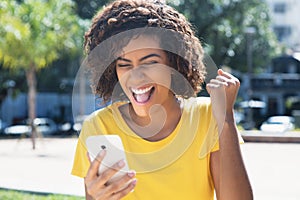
<point x="150" y="55"/>
<point x="143" y="58"/>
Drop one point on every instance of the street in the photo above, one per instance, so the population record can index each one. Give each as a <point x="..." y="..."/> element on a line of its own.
<point x="274" y="170"/>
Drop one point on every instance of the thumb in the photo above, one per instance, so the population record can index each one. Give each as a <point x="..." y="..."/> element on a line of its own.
<point x="220" y="71"/>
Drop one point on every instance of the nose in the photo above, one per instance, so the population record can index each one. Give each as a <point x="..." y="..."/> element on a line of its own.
<point x="137" y="74"/>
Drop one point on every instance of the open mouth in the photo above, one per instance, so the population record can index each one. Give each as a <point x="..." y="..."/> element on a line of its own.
<point x="142" y="95"/>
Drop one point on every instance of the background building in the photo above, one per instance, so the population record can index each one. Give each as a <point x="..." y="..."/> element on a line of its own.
<point x="278" y="88"/>
<point x="285" y="21"/>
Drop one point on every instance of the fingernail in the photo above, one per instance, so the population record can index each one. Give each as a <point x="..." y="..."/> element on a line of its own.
<point x="131" y="174"/>
<point x="121" y="163"/>
<point x="133" y="182"/>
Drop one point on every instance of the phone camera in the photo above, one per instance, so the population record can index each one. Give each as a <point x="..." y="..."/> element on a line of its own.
<point x="103" y="147"/>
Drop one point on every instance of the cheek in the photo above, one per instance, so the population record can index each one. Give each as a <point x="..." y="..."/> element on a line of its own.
<point x="120" y="75"/>
<point x="123" y="76"/>
<point x="161" y="76"/>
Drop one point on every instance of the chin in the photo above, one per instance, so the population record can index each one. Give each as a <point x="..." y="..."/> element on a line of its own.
<point x="141" y="112"/>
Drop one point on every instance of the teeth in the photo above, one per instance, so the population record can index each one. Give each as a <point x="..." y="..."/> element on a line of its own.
<point x="141" y="91"/>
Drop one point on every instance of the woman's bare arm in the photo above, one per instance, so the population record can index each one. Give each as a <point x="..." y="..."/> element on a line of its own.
<point x="227" y="167"/>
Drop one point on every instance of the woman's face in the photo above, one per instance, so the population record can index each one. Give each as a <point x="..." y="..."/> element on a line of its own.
<point x="144" y="74"/>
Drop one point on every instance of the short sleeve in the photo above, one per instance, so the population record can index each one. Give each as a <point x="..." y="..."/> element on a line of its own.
<point x="81" y="162"/>
<point x="211" y="140"/>
<point x="211" y="143"/>
<point x="216" y="147"/>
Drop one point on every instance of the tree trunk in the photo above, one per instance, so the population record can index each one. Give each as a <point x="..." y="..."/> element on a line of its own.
<point x="31" y="100"/>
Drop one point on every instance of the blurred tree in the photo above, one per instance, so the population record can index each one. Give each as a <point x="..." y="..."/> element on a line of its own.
<point x="33" y="34"/>
<point x="222" y="25"/>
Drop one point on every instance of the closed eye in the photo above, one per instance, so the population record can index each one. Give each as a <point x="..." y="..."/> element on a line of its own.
<point x="123" y="65"/>
<point x="151" y="62"/>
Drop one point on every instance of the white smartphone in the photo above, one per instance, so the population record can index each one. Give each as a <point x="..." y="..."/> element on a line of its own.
<point x="114" y="153"/>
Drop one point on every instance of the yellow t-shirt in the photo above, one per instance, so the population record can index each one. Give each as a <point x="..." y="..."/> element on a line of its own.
<point x="177" y="167"/>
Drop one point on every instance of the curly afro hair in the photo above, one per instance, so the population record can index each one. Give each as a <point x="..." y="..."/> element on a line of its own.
<point x="124" y="15"/>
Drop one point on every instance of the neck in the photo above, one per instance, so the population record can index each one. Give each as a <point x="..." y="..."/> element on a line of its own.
<point x="159" y="124"/>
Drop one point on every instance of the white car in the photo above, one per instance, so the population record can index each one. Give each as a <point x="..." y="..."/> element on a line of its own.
<point x="278" y="124"/>
<point x="78" y="122"/>
<point x="45" y="126"/>
<point x="18" y="129"/>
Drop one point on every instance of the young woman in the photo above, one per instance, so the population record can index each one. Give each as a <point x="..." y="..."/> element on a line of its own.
<point x="179" y="146"/>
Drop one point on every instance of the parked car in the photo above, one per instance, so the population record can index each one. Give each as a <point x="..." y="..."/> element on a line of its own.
<point x="278" y="124"/>
<point x="78" y="122"/>
<point x="64" y="128"/>
<point x="20" y="128"/>
<point x="44" y="126"/>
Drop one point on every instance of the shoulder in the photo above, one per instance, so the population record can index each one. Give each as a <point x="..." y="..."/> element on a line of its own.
<point x="199" y="109"/>
<point x="96" y="120"/>
<point x="100" y="114"/>
<point x="198" y="104"/>
<point x="203" y="101"/>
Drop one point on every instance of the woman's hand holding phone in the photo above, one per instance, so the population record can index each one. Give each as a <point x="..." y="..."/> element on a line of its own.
<point x="101" y="186"/>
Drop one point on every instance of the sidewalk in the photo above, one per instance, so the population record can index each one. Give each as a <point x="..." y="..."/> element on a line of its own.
<point x="258" y="136"/>
<point x="46" y="169"/>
